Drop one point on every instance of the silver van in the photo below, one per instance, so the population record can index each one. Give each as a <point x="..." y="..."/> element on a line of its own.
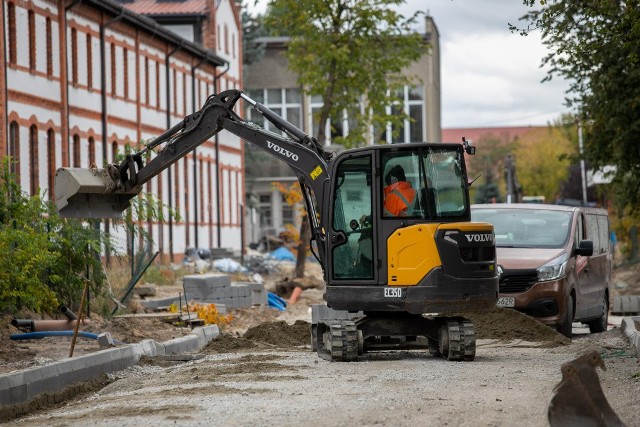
<point x="555" y="262"/>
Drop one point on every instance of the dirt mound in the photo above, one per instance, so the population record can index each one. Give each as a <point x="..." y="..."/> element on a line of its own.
<point x="280" y="333"/>
<point x="244" y="318"/>
<point x="506" y="324"/>
<point x="135" y="329"/>
<point x="12" y="351"/>
<point x="227" y="343"/>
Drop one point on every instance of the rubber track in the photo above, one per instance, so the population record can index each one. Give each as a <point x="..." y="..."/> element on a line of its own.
<point x="344" y="341"/>
<point x="462" y="340"/>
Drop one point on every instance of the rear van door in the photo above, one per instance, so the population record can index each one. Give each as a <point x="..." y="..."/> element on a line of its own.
<point x="600" y="262"/>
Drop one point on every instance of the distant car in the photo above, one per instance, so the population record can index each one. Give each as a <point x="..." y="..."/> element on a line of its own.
<point x="554" y="260"/>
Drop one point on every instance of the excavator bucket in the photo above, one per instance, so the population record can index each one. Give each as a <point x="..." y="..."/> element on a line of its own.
<point x="88" y="193"/>
<point x="578" y="399"/>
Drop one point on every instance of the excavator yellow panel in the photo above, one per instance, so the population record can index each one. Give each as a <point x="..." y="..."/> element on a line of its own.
<point x="412" y="253"/>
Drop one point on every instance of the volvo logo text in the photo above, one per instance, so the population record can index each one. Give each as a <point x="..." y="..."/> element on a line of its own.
<point x="479" y="238"/>
<point x="278" y="149"/>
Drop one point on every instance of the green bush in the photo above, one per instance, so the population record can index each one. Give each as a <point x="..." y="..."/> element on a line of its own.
<point x="46" y="259"/>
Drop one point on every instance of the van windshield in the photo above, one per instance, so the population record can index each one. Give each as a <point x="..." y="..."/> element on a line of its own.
<point x="526" y="228"/>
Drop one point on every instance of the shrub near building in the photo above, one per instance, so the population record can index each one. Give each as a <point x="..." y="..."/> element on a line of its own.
<point x="45" y="258"/>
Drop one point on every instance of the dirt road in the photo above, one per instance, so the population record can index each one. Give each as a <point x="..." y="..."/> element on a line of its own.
<point x="508" y="384"/>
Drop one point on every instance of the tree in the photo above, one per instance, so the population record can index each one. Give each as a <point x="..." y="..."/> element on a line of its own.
<point x="596" y="46"/>
<point x="252" y="28"/>
<point x="45" y="259"/>
<point x="489" y="162"/>
<point x="542" y="161"/>
<point x="351" y="53"/>
<point x="489" y="191"/>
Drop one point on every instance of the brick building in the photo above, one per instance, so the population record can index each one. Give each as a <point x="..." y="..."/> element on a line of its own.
<point x="82" y="80"/>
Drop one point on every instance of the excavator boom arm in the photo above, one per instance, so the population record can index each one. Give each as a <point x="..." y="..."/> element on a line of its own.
<point x="106" y="192"/>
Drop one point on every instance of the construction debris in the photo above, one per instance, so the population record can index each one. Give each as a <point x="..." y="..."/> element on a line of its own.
<point x="626" y="305"/>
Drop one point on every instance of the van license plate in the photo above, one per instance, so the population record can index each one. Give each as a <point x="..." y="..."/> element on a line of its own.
<point x="506" y="302"/>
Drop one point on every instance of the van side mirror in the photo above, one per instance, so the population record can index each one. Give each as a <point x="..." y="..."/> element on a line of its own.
<point x="585" y="248"/>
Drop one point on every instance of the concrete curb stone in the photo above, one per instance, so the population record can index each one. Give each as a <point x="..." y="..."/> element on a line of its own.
<point x="633" y="335"/>
<point x="23" y="386"/>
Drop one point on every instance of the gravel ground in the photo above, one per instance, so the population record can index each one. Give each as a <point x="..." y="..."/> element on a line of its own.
<point x="239" y="381"/>
<point x="509" y="383"/>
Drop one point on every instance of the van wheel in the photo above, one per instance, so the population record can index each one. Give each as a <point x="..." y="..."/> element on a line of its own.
<point x="600" y="324"/>
<point x="566" y="327"/>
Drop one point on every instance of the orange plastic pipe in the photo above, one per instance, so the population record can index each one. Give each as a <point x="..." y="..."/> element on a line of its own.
<point x="55" y="325"/>
<point x="295" y="295"/>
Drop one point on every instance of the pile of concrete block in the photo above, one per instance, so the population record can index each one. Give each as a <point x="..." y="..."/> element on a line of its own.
<point x="217" y="288"/>
<point x="626" y="305"/>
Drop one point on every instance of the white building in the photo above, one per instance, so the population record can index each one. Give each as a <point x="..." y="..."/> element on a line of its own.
<point x="82" y="80"/>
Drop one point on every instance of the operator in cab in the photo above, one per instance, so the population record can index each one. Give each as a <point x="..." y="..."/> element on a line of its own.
<point x="399" y="195"/>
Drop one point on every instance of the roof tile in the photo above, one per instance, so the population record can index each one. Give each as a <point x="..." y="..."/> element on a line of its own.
<point x="155" y="7"/>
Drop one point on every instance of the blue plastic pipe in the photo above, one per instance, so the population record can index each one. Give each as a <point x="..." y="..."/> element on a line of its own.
<point x="42" y="334"/>
<point x="276" y="302"/>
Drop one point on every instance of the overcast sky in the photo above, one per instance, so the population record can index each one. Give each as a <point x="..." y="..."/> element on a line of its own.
<point x="490" y="77"/>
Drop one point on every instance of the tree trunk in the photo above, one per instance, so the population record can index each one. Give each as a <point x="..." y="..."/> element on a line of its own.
<point x="305" y="236"/>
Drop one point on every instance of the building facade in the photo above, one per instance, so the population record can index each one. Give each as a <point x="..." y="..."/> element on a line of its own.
<point x="83" y="81"/>
<point x="267" y="212"/>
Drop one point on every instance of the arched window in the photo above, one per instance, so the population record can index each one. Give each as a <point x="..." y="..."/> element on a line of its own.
<point x="51" y="161"/>
<point x="226" y="39"/>
<point x="34" y="172"/>
<point x="125" y="66"/>
<point x="14" y="149"/>
<point x="92" y="151"/>
<point x="74" y="56"/>
<point x="89" y="61"/>
<point x="233" y="45"/>
<point x="49" y="47"/>
<point x="157" y="85"/>
<point x="32" y="40"/>
<point x="146" y="81"/>
<point x="13" y="53"/>
<point x="76" y="151"/>
<point x="114" y="82"/>
<point x="114" y="151"/>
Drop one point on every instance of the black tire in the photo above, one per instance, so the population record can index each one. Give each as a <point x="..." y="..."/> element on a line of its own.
<point x="314" y="337"/>
<point x="434" y="347"/>
<point x="566" y="328"/>
<point x="600" y="324"/>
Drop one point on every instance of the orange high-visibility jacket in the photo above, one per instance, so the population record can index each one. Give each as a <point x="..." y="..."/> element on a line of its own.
<point x="398" y="198"/>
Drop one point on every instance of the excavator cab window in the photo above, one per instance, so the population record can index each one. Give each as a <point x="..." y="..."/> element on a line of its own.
<point x="427" y="183"/>
<point x="352" y="209"/>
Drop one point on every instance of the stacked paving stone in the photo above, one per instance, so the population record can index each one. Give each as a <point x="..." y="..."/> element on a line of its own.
<point x="216" y="288"/>
<point x="218" y="253"/>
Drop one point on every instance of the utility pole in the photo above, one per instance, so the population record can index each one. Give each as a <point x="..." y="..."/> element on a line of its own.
<point x="583" y="172"/>
<point x="509" y="175"/>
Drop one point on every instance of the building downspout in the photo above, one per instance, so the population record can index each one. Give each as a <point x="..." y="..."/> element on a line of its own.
<point x="169" y="178"/>
<point x="5" y="101"/>
<point x="219" y="210"/>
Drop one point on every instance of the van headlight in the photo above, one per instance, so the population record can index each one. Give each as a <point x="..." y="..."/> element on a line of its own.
<point x="554" y="269"/>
